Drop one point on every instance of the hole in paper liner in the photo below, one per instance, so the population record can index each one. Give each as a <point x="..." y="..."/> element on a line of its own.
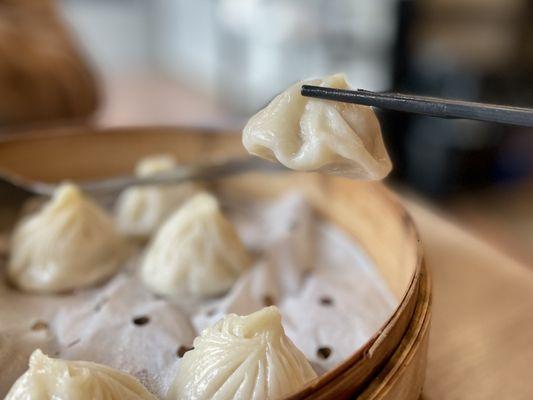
<point x="326" y="301"/>
<point x="323" y="352"/>
<point x="39" y="325"/>
<point x="268" y="300"/>
<point x="141" y="320"/>
<point x="182" y="350"/>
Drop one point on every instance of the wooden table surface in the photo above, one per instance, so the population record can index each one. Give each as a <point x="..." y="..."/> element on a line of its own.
<point x="481" y="339"/>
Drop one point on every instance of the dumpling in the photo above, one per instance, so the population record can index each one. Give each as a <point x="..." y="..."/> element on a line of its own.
<point x="70" y="243"/>
<point x="49" y="378"/>
<point x="141" y="210"/>
<point x="247" y="358"/>
<point x="309" y="134"/>
<point x="196" y="252"/>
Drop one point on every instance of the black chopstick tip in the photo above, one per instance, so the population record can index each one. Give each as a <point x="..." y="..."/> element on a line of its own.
<point x="309" y="90"/>
<point x="326" y="93"/>
<point x="423" y="105"/>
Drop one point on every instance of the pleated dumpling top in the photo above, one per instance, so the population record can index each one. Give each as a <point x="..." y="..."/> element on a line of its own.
<point x="242" y="358"/>
<point x="48" y="378"/>
<point x="70" y="243"/>
<point x="196" y="252"/>
<point x="141" y="210"/>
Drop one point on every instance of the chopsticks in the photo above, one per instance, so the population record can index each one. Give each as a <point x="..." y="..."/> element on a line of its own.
<point x="431" y="106"/>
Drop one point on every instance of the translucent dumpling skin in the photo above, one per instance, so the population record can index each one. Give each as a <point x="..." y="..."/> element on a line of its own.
<point x="309" y="134"/>
<point x="56" y="379"/>
<point x="242" y="358"/>
<point x="68" y="244"/>
<point x="141" y="210"/>
<point x="196" y="252"/>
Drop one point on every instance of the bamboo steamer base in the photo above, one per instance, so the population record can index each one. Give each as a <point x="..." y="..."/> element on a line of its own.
<point x="392" y="363"/>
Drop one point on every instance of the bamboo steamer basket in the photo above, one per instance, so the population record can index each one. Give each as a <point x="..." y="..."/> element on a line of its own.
<point x="43" y="77"/>
<point x="391" y="365"/>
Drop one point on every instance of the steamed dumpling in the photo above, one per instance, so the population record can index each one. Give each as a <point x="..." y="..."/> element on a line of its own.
<point x="309" y="134"/>
<point x="141" y="210"/>
<point x="49" y="378"/>
<point x="196" y="252"/>
<point x="246" y="358"/>
<point x="70" y="243"/>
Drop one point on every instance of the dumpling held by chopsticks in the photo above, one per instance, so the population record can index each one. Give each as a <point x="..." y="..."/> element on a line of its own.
<point x="307" y="134"/>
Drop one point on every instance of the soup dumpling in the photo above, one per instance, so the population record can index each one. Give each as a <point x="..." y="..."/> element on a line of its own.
<point x="49" y="378"/>
<point x="70" y="243"/>
<point x="196" y="252"/>
<point x="141" y="210"/>
<point x="308" y="134"/>
<point x="242" y="357"/>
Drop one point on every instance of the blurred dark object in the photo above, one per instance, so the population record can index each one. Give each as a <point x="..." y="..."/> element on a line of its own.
<point x="425" y="105"/>
<point x="43" y="78"/>
<point x="473" y="50"/>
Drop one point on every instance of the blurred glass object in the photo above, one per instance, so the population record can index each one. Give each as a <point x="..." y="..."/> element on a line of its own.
<point x="241" y="52"/>
<point x="463" y="49"/>
<point x="263" y="46"/>
<point x="116" y="34"/>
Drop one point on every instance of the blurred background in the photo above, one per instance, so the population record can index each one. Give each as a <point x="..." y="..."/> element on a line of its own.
<point x="216" y="62"/>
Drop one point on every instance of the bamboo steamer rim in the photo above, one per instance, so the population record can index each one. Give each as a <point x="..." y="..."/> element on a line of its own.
<point x="366" y="351"/>
<point x="411" y="355"/>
